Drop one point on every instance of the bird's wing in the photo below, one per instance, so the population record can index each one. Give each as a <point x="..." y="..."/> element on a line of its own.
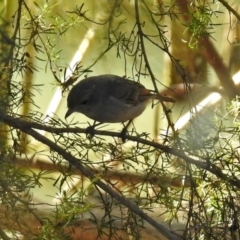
<point x="129" y="92"/>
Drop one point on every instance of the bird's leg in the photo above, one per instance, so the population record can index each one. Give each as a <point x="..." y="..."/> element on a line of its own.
<point x="124" y="131"/>
<point x="90" y="129"/>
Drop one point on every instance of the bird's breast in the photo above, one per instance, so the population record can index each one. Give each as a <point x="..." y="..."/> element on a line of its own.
<point x="114" y="110"/>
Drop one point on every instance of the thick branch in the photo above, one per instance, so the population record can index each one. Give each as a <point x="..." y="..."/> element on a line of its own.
<point x="211" y="55"/>
<point x="201" y="163"/>
<point x="26" y="128"/>
<point x="109" y="175"/>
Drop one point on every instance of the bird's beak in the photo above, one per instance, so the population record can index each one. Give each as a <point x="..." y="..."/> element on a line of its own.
<point x="68" y="113"/>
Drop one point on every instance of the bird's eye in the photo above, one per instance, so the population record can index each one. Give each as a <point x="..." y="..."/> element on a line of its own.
<point x="84" y="102"/>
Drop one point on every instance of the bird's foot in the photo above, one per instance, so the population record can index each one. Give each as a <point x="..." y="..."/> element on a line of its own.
<point x="123" y="134"/>
<point x="90" y="132"/>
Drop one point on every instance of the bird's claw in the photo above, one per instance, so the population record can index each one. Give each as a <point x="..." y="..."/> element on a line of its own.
<point x="90" y="132"/>
<point x="123" y="134"/>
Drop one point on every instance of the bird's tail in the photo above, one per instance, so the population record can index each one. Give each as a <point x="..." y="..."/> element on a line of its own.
<point x="163" y="98"/>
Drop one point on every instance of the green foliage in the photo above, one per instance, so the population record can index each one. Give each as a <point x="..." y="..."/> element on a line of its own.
<point x="201" y="20"/>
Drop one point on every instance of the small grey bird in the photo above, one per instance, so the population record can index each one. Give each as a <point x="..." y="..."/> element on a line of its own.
<point x="110" y="99"/>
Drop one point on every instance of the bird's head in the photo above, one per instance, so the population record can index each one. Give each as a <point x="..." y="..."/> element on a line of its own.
<point x="80" y="98"/>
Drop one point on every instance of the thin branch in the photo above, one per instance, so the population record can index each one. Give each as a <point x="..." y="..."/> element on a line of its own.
<point x="141" y="34"/>
<point x="230" y="9"/>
